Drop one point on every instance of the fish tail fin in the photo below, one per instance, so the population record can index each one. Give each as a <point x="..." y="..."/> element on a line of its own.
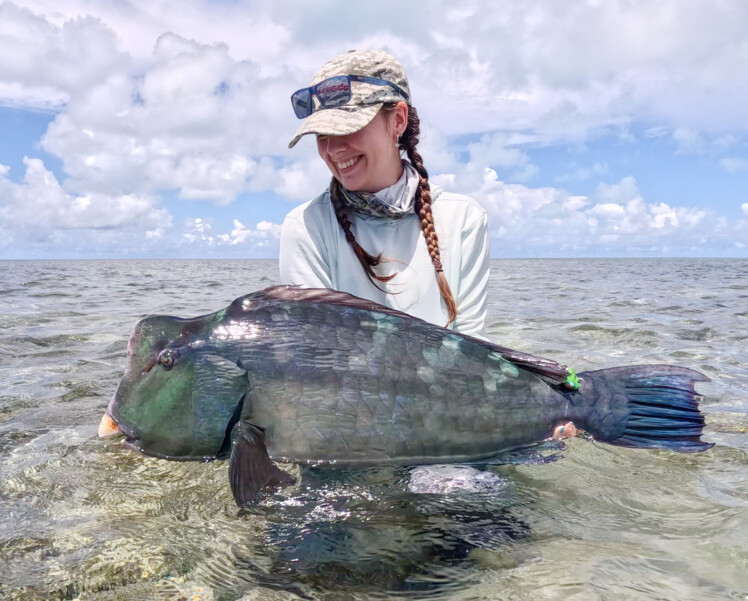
<point x="644" y="406"/>
<point x="251" y="471"/>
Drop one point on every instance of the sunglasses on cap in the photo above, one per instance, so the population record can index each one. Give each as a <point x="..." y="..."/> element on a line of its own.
<point x="333" y="92"/>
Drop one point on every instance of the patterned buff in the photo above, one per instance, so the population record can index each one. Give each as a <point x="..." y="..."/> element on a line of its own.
<point x="366" y="99"/>
<point x="393" y="203"/>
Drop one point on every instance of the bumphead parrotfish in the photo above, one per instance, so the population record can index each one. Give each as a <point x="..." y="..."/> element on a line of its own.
<point x="321" y="377"/>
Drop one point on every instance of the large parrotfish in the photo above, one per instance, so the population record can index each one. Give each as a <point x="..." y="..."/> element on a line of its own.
<point x="318" y="376"/>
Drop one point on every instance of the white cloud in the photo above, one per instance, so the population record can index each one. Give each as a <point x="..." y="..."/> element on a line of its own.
<point x="40" y="214"/>
<point x="41" y="201"/>
<point x="624" y="191"/>
<point x="578" y="173"/>
<point x="298" y="181"/>
<point x="261" y="241"/>
<point x="44" y="64"/>
<point x="138" y="24"/>
<point x="656" y="132"/>
<point x="493" y="150"/>
<point x="561" y="71"/>
<point x="191" y="99"/>
<point x="734" y="165"/>
<point x="689" y="141"/>
<point x="198" y="231"/>
<point x="616" y="220"/>
<point x="266" y="233"/>
<point x="196" y="120"/>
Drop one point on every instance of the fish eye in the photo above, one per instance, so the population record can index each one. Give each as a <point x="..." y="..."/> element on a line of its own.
<point x="167" y="358"/>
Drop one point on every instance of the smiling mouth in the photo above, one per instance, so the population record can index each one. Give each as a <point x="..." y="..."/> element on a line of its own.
<point x="347" y="164"/>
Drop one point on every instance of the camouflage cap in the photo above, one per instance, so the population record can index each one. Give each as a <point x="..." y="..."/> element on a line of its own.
<point x="366" y="98"/>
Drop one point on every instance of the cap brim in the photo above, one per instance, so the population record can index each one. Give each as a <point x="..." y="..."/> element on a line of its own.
<point x="336" y="122"/>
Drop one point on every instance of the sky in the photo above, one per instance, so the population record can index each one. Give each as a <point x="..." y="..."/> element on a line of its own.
<point x="586" y="128"/>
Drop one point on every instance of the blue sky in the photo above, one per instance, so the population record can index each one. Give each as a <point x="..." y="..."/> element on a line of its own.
<point x="585" y="128"/>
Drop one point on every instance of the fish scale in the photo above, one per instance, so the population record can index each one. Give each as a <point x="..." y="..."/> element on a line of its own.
<point x="321" y="377"/>
<point x="450" y="379"/>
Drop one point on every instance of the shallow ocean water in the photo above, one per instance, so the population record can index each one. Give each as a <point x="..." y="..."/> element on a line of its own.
<point x="82" y="518"/>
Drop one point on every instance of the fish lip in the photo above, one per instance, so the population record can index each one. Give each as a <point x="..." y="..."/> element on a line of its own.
<point x="129" y="439"/>
<point x="108" y="427"/>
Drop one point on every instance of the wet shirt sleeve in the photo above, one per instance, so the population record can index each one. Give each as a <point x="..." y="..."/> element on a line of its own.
<point x="303" y="258"/>
<point x="474" y="271"/>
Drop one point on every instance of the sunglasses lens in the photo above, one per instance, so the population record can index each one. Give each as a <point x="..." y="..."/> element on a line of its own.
<point x="333" y="92"/>
<point x="302" y="103"/>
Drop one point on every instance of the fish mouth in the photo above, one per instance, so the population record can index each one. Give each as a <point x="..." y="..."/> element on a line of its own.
<point x="109" y="428"/>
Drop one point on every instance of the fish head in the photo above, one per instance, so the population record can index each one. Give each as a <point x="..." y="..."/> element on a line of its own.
<point x="179" y="397"/>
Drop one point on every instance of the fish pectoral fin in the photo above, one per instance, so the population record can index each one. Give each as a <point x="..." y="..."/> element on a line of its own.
<point x="251" y="471"/>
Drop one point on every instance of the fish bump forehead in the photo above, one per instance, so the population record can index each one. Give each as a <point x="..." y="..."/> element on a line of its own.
<point x="151" y="336"/>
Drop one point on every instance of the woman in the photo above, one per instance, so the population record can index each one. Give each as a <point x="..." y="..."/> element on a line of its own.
<point x="380" y="231"/>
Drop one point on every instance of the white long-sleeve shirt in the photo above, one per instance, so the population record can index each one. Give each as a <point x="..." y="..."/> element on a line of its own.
<point x="315" y="254"/>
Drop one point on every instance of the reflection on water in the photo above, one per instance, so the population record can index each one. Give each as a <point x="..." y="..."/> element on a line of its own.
<point x="366" y="531"/>
<point x="86" y="519"/>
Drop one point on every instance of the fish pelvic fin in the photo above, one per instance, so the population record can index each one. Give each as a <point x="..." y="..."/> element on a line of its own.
<point x="644" y="406"/>
<point x="251" y="470"/>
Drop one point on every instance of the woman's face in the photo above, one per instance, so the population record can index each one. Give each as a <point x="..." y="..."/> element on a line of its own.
<point x="368" y="160"/>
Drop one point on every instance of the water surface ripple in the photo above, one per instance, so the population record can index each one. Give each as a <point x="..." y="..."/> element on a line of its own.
<point x="85" y="519"/>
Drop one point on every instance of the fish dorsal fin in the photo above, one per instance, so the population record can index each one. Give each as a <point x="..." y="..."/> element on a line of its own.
<point x="554" y="373"/>
<point x="324" y="295"/>
<point x="551" y="371"/>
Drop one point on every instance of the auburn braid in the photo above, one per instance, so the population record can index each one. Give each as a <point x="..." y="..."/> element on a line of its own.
<point x="368" y="261"/>
<point x="422" y="206"/>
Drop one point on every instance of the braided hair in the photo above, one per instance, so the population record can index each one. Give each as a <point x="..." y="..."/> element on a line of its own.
<point x="422" y="205"/>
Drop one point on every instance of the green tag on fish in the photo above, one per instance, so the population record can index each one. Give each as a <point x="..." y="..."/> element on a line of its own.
<point x="572" y="381"/>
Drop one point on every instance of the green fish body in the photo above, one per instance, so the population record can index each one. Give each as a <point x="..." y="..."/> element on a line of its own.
<point x="321" y="377"/>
